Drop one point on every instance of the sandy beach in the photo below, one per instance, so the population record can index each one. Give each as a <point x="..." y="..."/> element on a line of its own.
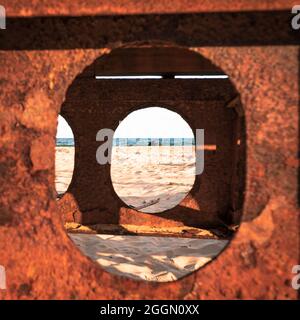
<point x="141" y="174"/>
<point x="148" y="258"/>
<point x="164" y="173"/>
<point x="64" y="166"/>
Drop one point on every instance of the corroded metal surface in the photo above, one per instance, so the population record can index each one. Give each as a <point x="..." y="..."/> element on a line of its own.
<point x="83" y="7"/>
<point x="42" y="262"/>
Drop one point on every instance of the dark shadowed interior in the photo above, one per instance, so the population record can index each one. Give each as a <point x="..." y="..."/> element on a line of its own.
<point x="216" y="198"/>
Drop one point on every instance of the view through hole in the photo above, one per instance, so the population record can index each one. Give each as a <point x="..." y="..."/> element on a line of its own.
<point x="153" y="159"/>
<point x="147" y="214"/>
<point x="64" y="156"/>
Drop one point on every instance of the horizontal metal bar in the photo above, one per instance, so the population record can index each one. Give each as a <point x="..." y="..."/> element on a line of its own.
<point x="175" y="76"/>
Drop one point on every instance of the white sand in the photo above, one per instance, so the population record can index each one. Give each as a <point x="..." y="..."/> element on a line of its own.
<point x="141" y="174"/>
<point x="64" y="166"/>
<point x="148" y="258"/>
<point x="168" y="176"/>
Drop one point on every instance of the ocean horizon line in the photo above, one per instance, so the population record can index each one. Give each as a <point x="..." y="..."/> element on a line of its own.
<point x="64" y="142"/>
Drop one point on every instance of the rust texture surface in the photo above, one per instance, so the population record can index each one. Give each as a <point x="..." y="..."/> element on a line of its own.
<point x="41" y="261"/>
<point x="91" y="7"/>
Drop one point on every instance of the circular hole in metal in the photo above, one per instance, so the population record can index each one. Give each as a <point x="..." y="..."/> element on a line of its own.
<point x="153" y="159"/>
<point x="64" y="156"/>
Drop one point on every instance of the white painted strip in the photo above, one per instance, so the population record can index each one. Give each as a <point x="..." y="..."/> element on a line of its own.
<point x="183" y="76"/>
<point x="127" y="77"/>
<point x="204" y="76"/>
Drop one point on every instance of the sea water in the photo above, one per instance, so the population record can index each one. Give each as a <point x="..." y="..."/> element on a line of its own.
<point x="69" y="142"/>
